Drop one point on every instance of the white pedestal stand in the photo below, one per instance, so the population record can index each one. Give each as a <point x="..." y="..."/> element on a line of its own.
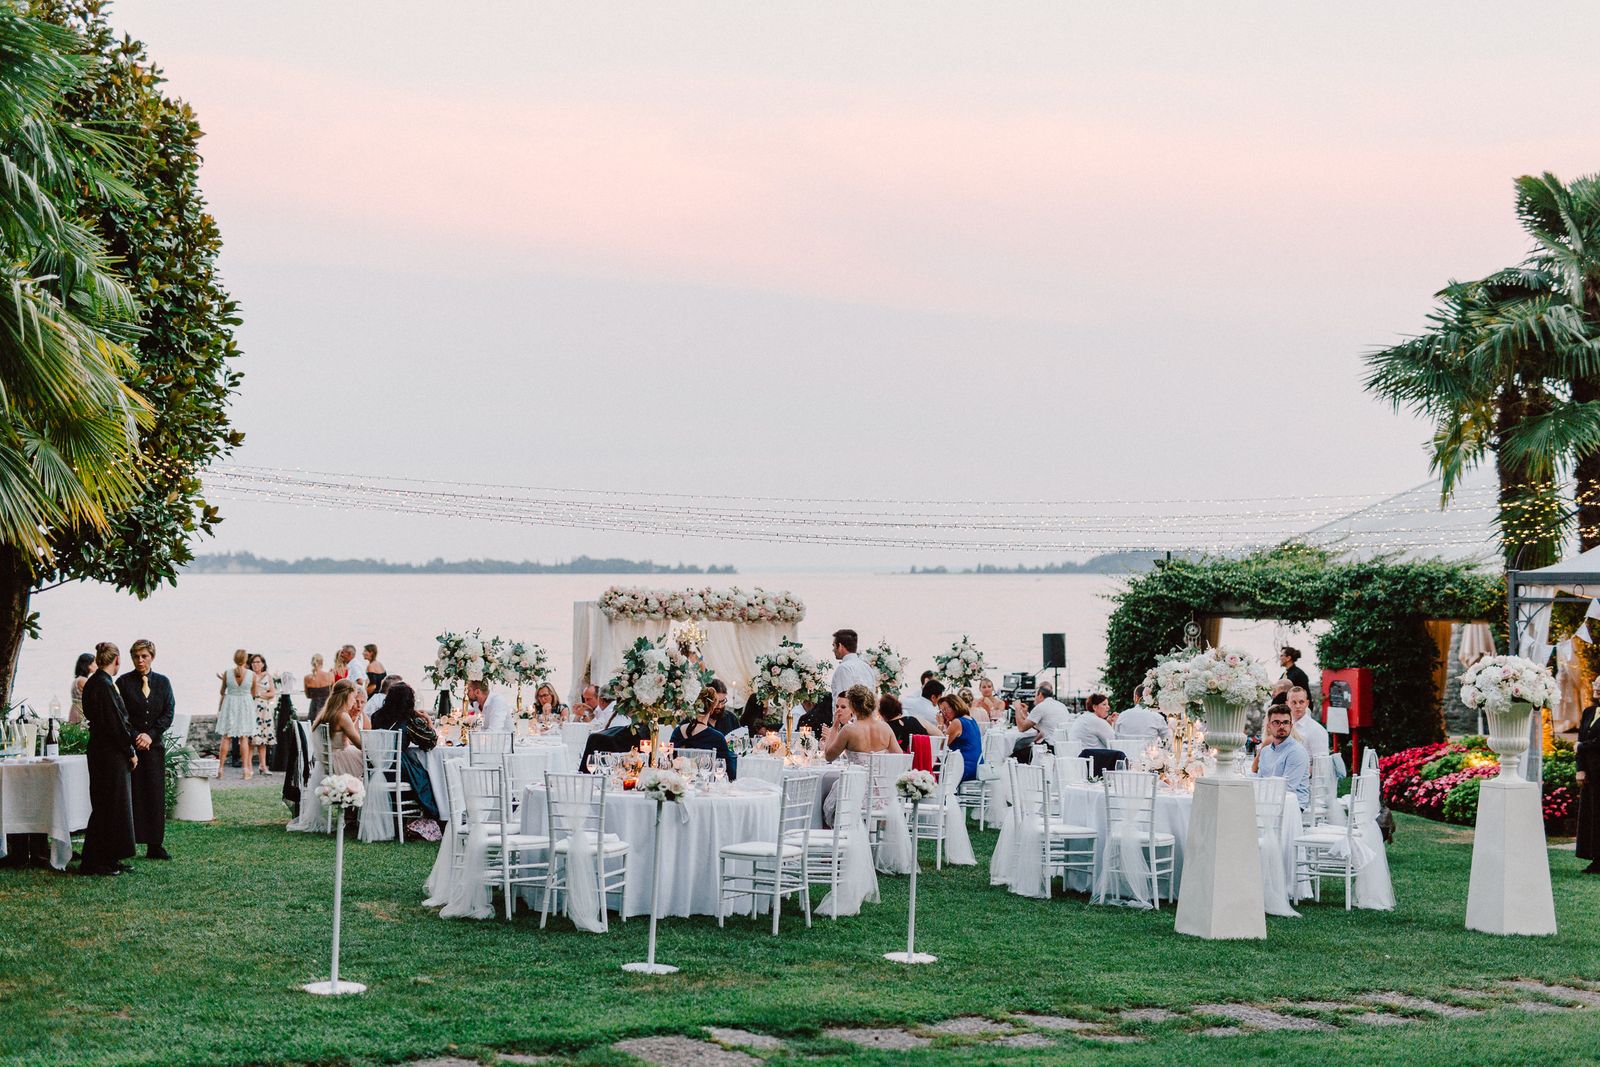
<point x="1220" y="896"/>
<point x="650" y="966"/>
<point x="1510" y="888"/>
<point x="333" y="987"/>
<point x="194" y="792"/>
<point x="911" y="955"/>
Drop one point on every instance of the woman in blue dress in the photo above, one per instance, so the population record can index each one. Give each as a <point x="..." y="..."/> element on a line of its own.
<point x="962" y="732"/>
<point x="236" y="713"/>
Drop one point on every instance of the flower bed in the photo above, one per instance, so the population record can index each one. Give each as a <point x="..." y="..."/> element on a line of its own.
<point x="1442" y="781"/>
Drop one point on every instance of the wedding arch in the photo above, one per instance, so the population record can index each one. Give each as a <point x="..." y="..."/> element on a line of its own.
<point x="1391" y="616"/>
<point x="736" y="626"/>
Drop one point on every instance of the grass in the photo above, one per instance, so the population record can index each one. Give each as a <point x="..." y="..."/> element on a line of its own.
<point x="198" y="962"/>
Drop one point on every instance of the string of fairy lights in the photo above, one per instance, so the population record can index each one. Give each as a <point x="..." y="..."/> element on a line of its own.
<point x="1037" y="525"/>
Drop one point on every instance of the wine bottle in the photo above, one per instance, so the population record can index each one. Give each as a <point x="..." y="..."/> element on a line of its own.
<point x="52" y="740"/>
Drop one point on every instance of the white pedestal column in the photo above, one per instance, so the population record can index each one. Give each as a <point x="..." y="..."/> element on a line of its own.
<point x="1220" y="895"/>
<point x="1510" y="888"/>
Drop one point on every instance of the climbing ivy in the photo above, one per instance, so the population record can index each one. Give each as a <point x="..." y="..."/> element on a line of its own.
<point x="1378" y="610"/>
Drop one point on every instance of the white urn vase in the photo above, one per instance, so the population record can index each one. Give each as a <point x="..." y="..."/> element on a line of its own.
<point x="1224" y="729"/>
<point x="1508" y="736"/>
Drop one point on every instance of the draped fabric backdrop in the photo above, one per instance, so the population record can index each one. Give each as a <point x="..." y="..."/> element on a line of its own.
<point x="730" y="649"/>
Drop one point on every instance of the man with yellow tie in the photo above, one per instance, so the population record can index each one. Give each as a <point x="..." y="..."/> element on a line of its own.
<point x="148" y="697"/>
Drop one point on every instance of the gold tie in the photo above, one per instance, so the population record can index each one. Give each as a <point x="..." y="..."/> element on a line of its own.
<point x="144" y="684"/>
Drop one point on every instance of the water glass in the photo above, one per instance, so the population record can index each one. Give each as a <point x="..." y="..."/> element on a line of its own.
<point x="719" y="772"/>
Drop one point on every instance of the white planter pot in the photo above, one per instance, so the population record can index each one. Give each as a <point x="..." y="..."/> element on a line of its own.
<point x="1508" y="736"/>
<point x="1224" y="729"/>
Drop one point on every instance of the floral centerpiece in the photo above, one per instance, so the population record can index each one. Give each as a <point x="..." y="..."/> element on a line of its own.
<point x="342" y="791"/>
<point x="1226" y="683"/>
<point x="1176" y="770"/>
<point x="963" y="665"/>
<point x="917" y="785"/>
<point x="1163" y="689"/>
<point x="889" y="666"/>
<point x="1507" y="689"/>
<point x="789" y="676"/>
<point x="465" y="657"/>
<point x="526" y="664"/>
<point x="657" y="683"/>
<point x="663" y="785"/>
<point x="711" y="605"/>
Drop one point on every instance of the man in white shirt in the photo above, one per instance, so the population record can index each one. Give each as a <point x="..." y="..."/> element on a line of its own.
<point x="588" y="701"/>
<point x="494" y="708"/>
<point x="1307" y="729"/>
<point x="1038" y="723"/>
<point x="608" y="715"/>
<point x="1140" y="722"/>
<point x="925" y="706"/>
<point x="1092" y="730"/>
<point x="851" y="668"/>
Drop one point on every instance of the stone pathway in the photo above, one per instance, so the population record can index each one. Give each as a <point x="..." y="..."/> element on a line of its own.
<point x="729" y="1047"/>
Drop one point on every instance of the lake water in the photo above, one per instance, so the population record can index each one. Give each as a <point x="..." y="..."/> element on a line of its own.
<point x="197" y="625"/>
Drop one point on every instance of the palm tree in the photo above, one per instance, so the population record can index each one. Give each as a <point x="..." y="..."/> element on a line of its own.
<point x="68" y="423"/>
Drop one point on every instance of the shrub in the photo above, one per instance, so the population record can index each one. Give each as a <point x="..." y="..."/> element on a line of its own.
<point x="1476" y="743"/>
<point x="1449" y="763"/>
<point x="1561" y="772"/>
<point x="74" y="739"/>
<point x="1461" y="803"/>
<point x="1559" y="803"/>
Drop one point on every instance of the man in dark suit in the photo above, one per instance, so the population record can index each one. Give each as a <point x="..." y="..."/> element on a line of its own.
<point x="148" y="698"/>
<point x="112" y="758"/>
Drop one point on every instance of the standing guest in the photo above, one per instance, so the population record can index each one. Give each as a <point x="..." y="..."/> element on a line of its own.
<point x="1093" y="731"/>
<point x="962" y="733"/>
<point x="343" y="720"/>
<point x="375" y="669"/>
<point x="701" y="732"/>
<point x="265" y="694"/>
<point x="588" y="703"/>
<point x="988" y="708"/>
<point x="1307" y="730"/>
<point x="148" y="699"/>
<point x="344" y="663"/>
<point x="236" y="713"/>
<point x="1289" y="657"/>
<point x="317" y="684"/>
<point x="923" y="706"/>
<point x="547" y="704"/>
<point x="851" y="668"/>
<point x="1139" y="722"/>
<point x="1284" y="757"/>
<point x="80" y="675"/>
<point x="903" y="725"/>
<point x="112" y="759"/>
<point x="495" y="709"/>
<point x="1589" y="796"/>
<point x="1040" y="722"/>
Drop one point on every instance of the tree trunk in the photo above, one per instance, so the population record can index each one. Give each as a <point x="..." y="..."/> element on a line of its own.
<point x="16" y="587"/>
<point x="1586" y="473"/>
<point x="1530" y="529"/>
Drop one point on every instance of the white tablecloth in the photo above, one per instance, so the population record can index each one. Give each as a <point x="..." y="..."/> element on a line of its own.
<point x="1085" y="805"/>
<point x="39" y="796"/>
<point x="692" y="832"/>
<point x="560" y="759"/>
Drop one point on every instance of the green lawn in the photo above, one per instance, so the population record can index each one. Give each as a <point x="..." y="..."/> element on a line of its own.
<point x="197" y="962"/>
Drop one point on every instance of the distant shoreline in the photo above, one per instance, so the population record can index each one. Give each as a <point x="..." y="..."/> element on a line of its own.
<point x="248" y="563"/>
<point x="1131" y="562"/>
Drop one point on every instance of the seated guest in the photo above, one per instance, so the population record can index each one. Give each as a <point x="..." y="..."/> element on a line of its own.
<point x="1284" y="757"/>
<point x="399" y="709"/>
<point x="903" y="725"/>
<point x="494" y="708"/>
<point x="380" y="700"/>
<point x="1040" y="722"/>
<point x="588" y="701"/>
<point x="754" y="719"/>
<point x="722" y="720"/>
<point x="344" y="720"/>
<point x="1093" y="731"/>
<point x="1307" y="730"/>
<point x="1143" y="723"/>
<point x="923" y="707"/>
<point x="857" y="732"/>
<point x="962" y="732"/>
<point x="547" y="704"/>
<point x="614" y="731"/>
<point x="818" y="715"/>
<point x="700" y="733"/>
<point x="988" y="708"/>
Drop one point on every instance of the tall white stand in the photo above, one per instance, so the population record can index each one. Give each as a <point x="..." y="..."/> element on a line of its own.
<point x="1220" y="896"/>
<point x="333" y="987"/>
<point x="650" y="966"/>
<point x="911" y="955"/>
<point x="1510" y="888"/>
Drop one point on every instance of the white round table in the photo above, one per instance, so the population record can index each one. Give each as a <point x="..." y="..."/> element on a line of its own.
<point x="40" y="795"/>
<point x="693" y="830"/>
<point x="558" y="759"/>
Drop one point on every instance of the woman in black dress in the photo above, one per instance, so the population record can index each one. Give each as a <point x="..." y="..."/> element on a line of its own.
<point x="1588" y="769"/>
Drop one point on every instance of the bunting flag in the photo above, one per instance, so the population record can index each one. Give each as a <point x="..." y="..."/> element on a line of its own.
<point x="1583" y="633"/>
<point x="1564" y="651"/>
<point x="1544" y="654"/>
<point x="1594" y="609"/>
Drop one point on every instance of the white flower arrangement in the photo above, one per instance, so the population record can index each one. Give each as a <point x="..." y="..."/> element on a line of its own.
<point x="657" y="682"/>
<point x="1236" y="676"/>
<point x="342" y="790"/>
<point x="467" y="657"/>
<point x="963" y="665"/>
<point x="663" y="785"/>
<point x="1163" y="683"/>
<point x="1167" y="766"/>
<point x="916" y="785"/>
<point x="525" y="663"/>
<point x="709" y="605"/>
<point x="1494" y="683"/>
<point x="889" y="666"/>
<point x="789" y="676"/>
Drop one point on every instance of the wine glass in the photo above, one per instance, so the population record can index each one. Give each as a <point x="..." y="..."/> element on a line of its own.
<point x="719" y="773"/>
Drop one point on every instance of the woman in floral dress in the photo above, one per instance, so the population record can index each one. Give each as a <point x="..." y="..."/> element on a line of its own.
<point x="265" y="695"/>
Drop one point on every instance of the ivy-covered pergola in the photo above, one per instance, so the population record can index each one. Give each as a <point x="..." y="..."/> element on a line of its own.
<point x="1378" y="611"/>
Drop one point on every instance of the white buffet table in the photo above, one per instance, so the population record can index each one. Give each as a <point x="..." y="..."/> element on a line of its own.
<point x="45" y="796"/>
